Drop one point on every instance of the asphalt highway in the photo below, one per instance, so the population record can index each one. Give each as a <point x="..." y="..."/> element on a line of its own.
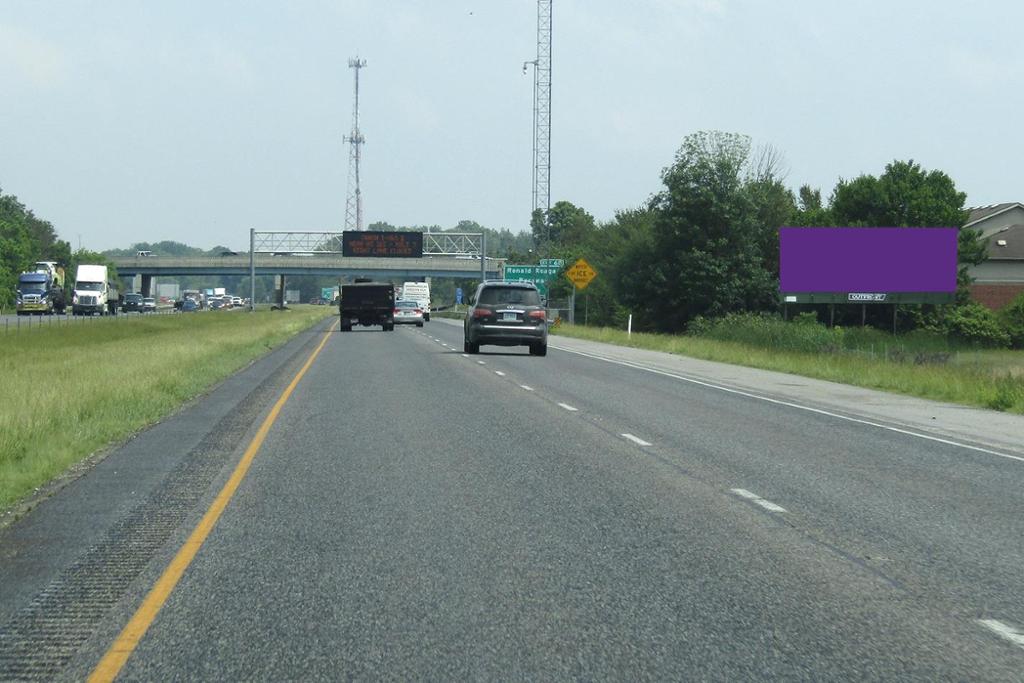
<point x="420" y="513"/>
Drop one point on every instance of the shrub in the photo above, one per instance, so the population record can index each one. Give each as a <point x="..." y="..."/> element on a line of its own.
<point x="1012" y="318"/>
<point x="976" y="325"/>
<point x="1008" y="392"/>
<point x="771" y="332"/>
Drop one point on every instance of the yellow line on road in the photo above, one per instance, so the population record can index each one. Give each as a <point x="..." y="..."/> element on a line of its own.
<point x="122" y="648"/>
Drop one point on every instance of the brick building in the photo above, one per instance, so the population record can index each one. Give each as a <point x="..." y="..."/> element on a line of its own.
<point x="1000" y="277"/>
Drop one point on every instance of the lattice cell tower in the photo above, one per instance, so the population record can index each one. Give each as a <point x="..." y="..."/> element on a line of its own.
<point x="354" y="205"/>
<point x="542" y="111"/>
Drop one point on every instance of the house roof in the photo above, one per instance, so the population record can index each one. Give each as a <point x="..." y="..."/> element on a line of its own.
<point x="980" y="213"/>
<point x="1007" y="244"/>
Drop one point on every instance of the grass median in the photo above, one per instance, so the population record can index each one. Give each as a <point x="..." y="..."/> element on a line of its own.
<point x="71" y="391"/>
<point x="984" y="378"/>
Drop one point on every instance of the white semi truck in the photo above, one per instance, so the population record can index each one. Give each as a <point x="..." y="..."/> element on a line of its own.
<point x="94" y="292"/>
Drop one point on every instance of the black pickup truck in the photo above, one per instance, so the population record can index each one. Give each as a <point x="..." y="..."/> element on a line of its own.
<point x="367" y="303"/>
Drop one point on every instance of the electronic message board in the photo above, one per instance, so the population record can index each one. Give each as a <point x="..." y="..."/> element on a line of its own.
<point x="867" y="265"/>
<point x="382" y="244"/>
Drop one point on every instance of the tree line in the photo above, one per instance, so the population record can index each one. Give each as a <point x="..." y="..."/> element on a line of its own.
<point x="706" y="244"/>
<point x="24" y="239"/>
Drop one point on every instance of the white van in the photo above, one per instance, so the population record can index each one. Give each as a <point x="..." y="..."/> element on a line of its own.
<point x="420" y="293"/>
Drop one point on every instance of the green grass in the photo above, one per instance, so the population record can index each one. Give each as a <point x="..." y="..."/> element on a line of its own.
<point x="984" y="378"/>
<point x="71" y="391"/>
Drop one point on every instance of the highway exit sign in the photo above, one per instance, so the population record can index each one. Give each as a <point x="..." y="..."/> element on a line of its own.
<point x="581" y="273"/>
<point x="538" y="275"/>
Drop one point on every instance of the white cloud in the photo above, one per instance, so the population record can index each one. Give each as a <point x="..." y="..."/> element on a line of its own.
<point x="31" y="58"/>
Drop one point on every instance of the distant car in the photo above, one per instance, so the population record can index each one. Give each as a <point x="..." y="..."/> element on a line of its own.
<point x="229" y="253"/>
<point x="149" y="305"/>
<point x="236" y="301"/>
<point x="506" y="314"/>
<point x="408" y="313"/>
<point x="143" y="254"/>
<point x="215" y="304"/>
<point x="189" y="306"/>
<point x="132" y="301"/>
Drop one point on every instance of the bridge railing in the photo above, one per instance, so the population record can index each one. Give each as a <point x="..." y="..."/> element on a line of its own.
<point x="434" y="243"/>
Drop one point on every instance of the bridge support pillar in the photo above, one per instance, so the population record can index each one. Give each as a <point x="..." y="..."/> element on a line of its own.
<point x="147" y="285"/>
<point x="280" y="292"/>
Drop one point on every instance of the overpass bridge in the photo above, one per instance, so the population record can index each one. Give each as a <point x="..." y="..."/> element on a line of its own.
<point x="401" y="256"/>
<point x="396" y="269"/>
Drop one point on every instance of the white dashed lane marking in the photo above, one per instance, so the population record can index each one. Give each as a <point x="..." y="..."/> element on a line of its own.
<point x="465" y="355"/>
<point x="753" y="497"/>
<point x="636" y="439"/>
<point x="568" y="407"/>
<point x="523" y="386"/>
<point x="1014" y="635"/>
<point x="499" y="373"/>
<point x="481" y="362"/>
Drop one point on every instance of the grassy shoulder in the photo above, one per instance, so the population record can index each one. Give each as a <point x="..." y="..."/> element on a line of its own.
<point x="70" y="391"/>
<point x="984" y="378"/>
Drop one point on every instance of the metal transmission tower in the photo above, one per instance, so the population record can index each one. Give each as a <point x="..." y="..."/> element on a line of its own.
<point x="542" y="111"/>
<point x="354" y="205"/>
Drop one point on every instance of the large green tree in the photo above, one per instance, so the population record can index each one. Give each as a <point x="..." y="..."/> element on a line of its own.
<point x="906" y="195"/>
<point x="565" y="225"/>
<point x="24" y="239"/>
<point x="714" y="247"/>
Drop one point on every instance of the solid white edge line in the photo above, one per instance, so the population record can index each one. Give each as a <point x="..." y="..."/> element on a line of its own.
<point x="637" y="440"/>
<point x="1008" y="632"/>
<point x="499" y="373"/>
<point x="523" y="386"/>
<point x="753" y="497"/>
<point x="788" y="404"/>
<point x="568" y="407"/>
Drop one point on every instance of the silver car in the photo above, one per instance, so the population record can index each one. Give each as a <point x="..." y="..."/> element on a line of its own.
<point x="408" y="313"/>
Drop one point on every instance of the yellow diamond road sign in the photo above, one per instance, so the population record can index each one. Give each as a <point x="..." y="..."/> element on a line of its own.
<point x="581" y="273"/>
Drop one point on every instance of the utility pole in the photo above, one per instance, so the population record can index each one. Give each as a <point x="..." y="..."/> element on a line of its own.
<point x="542" y="113"/>
<point x="354" y="204"/>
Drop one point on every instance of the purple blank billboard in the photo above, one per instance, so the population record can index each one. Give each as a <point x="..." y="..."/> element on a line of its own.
<point x="867" y="259"/>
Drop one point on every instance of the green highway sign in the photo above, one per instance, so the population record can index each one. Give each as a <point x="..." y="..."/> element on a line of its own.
<point x="538" y="275"/>
<point x="530" y="273"/>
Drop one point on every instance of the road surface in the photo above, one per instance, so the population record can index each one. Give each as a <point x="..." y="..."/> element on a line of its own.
<point x="417" y="512"/>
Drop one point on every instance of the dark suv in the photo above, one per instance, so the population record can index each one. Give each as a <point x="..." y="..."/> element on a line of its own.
<point x="131" y="302"/>
<point x="507" y="314"/>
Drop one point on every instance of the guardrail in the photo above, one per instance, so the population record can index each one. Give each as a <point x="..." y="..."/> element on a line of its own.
<point x="14" y="324"/>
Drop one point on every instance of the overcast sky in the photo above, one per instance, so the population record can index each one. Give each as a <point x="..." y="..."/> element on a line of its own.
<point x="194" y="120"/>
